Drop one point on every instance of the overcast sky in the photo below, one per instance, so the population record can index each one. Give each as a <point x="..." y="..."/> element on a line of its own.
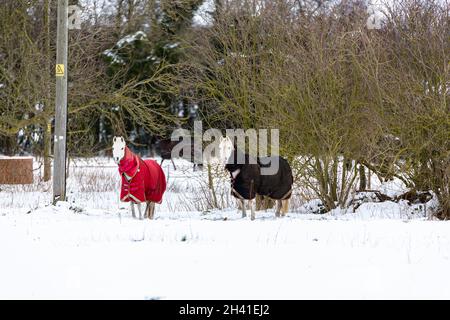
<point x="202" y="17"/>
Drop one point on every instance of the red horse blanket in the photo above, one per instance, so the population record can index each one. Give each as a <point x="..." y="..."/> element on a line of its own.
<point x="147" y="181"/>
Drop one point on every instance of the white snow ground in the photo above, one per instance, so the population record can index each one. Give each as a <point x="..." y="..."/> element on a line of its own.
<point x="91" y="248"/>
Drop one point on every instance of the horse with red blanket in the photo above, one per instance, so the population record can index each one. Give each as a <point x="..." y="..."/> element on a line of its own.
<point x="142" y="180"/>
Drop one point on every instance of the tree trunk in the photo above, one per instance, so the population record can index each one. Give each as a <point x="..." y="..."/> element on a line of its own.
<point x="47" y="104"/>
<point x="47" y="152"/>
<point x="119" y="16"/>
<point x="362" y="178"/>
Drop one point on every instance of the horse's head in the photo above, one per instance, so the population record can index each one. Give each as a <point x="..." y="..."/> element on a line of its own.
<point x="235" y="160"/>
<point x="119" y="147"/>
<point x="226" y="149"/>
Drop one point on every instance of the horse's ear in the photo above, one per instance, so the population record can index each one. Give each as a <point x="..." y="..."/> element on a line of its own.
<point x="114" y="139"/>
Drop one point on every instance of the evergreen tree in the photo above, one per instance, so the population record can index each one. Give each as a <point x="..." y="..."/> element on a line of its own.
<point x="144" y="53"/>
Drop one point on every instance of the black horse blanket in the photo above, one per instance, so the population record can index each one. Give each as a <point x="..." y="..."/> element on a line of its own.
<point x="247" y="179"/>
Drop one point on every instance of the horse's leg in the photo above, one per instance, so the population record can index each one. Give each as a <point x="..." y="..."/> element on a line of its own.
<point x="132" y="209"/>
<point x="150" y="206"/>
<point x="147" y="203"/>
<point x="284" y="207"/>
<point x="252" y="209"/>
<point x="151" y="210"/>
<point x="279" y="204"/>
<point x="140" y="210"/>
<point x="244" y="214"/>
<point x="162" y="160"/>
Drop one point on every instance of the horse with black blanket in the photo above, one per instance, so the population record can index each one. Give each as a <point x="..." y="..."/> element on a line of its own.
<point x="249" y="180"/>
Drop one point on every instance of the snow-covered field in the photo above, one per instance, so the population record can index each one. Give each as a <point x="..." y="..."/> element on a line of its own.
<point x="91" y="248"/>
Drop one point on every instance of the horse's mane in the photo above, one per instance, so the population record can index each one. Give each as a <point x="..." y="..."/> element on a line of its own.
<point x="128" y="153"/>
<point x="129" y="162"/>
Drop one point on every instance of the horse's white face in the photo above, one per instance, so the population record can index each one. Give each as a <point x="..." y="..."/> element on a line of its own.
<point x="118" y="149"/>
<point x="226" y="149"/>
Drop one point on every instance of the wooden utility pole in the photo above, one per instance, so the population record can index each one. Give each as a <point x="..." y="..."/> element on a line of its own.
<point x="59" y="165"/>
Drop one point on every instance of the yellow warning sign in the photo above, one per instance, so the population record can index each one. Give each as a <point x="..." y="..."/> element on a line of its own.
<point x="60" y="70"/>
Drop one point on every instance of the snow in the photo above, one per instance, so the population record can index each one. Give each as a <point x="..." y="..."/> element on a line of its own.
<point x="139" y="35"/>
<point x="116" y="59"/>
<point x="393" y="188"/>
<point x="202" y="16"/>
<point x="39" y="107"/>
<point x="172" y="45"/>
<point x="112" y="53"/>
<point x="90" y="248"/>
<point x="155" y="59"/>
